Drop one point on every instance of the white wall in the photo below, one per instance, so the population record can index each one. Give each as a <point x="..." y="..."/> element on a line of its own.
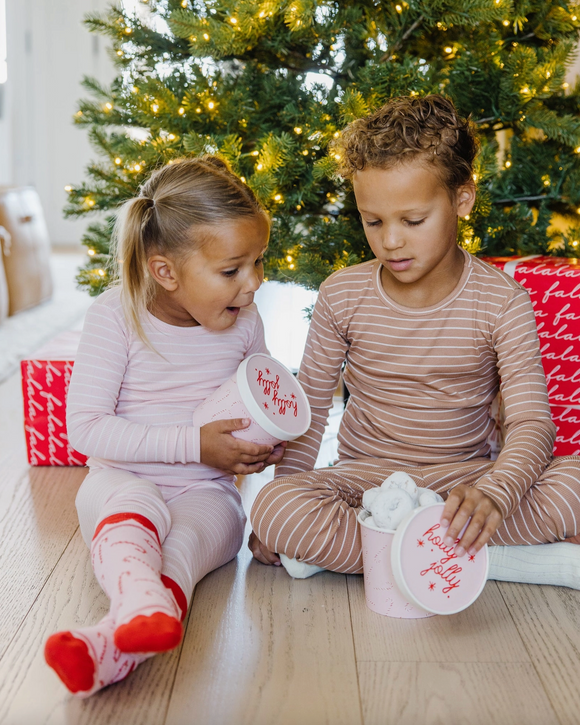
<point x="49" y="50"/>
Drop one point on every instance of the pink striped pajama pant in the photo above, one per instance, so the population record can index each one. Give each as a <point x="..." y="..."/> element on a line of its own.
<point x="200" y="525"/>
<point x="312" y="516"/>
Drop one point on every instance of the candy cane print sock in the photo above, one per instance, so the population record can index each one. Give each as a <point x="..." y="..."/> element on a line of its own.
<point x="87" y="660"/>
<point x="126" y="557"/>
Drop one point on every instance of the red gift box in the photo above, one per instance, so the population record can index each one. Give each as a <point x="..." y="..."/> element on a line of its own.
<point x="45" y="380"/>
<point x="553" y="284"/>
<point x="567" y="421"/>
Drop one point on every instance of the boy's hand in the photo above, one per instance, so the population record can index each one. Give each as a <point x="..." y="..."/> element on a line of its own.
<point x="464" y="502"/>
<point x="277" y="454"/>
<point x="261" y="553"/>
<point x="221" y="450"/>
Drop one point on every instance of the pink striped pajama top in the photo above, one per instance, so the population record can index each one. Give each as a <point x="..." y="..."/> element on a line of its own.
<point x="130" y="407"/>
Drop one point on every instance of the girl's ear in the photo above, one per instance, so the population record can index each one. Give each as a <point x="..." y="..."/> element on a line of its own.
<point x="465" y="199"/>
<point x="163" y="272"/>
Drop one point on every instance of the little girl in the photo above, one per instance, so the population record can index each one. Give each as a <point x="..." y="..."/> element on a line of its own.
<point x="429" y="334"/>
<point x="159" y="509"/>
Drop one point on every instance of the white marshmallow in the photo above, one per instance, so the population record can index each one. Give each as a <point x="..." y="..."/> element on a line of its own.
<point x="402" y="480"/>
<point x="427" y="497"/>
<point x="394" y="499"/>
<point x="391" y="507"/>
<point x="369" y="496"/>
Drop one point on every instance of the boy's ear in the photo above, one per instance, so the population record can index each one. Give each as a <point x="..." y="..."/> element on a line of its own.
<point x="465" y="199"/>
<point x="163" y="272"/>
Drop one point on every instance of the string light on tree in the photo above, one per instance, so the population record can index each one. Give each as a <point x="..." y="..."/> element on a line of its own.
<point x="231" y="60"/>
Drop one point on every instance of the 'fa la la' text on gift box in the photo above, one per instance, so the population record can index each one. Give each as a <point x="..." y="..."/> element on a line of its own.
<point x="554" y="287"/>
<point x="45" y="381"/>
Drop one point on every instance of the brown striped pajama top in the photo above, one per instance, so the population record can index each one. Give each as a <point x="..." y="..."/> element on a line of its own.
<point x="421" y="383"/>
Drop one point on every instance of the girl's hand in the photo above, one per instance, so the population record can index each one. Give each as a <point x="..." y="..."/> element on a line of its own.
<point x="221" y="450"/>
<point x="261" y="553"/>
<point x="464" y="502"/>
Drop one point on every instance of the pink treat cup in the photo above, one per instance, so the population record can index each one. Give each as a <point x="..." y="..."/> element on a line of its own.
<point x="381" y="591"/>
<point x="267" y="393"/>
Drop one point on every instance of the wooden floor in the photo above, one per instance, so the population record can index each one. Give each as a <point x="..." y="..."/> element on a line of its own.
<point x="262" y="649"/>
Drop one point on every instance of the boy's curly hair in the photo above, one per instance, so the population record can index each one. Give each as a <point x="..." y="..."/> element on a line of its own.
<point x="411" y="127"/>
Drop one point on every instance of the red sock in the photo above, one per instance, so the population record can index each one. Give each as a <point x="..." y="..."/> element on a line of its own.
<point x="87" y="660"/>
<point x="69" y="657"/>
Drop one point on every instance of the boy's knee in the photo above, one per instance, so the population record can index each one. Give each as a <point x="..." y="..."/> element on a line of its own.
<point x="275" y="497"/>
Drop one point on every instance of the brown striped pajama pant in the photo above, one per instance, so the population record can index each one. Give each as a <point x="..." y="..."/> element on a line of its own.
<point x="312" y="516"/>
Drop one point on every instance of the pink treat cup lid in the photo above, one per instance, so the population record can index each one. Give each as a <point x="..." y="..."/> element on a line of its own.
<point x="427" y="571"/>
<point x="273" y="397"/>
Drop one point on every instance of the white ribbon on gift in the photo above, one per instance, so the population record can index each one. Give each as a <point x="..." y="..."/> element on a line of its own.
<point x="510" y="267"/>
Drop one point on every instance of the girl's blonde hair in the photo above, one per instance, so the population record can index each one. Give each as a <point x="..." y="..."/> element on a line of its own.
<point x="162" y="219"/>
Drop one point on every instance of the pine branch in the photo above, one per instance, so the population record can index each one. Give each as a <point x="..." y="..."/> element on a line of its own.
<point x="386" y="57"/>
<point x="518" y="199"/>
<point x="245" y="92"/>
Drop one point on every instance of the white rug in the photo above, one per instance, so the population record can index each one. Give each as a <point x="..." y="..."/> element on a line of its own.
<point x="22" y="334"/>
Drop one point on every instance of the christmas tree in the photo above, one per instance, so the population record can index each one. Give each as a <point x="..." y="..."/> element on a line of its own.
<point x="268" y="86"/>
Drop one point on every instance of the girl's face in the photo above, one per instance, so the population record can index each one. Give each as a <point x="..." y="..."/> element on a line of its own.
<point x="410" y="222"/>
<point x="216" y="280"/>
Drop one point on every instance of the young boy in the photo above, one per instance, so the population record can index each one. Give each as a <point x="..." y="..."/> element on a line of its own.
<point x="429" y="334"/>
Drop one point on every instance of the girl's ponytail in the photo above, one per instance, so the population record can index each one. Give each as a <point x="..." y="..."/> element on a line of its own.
<point x="129" y="245"/>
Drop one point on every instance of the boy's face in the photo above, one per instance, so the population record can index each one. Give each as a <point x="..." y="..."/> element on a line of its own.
<point x="410" y="222"/>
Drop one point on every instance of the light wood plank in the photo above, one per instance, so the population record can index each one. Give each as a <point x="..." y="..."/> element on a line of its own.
<point x="548" y="620"/>
<point x="484" y="632"/>
<point x="37" y="520"/>
<point x="263" y="649"/>
<point x="453" y="694"/>
<point x="30" y="692"/>
<point x="37" y="515"/>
